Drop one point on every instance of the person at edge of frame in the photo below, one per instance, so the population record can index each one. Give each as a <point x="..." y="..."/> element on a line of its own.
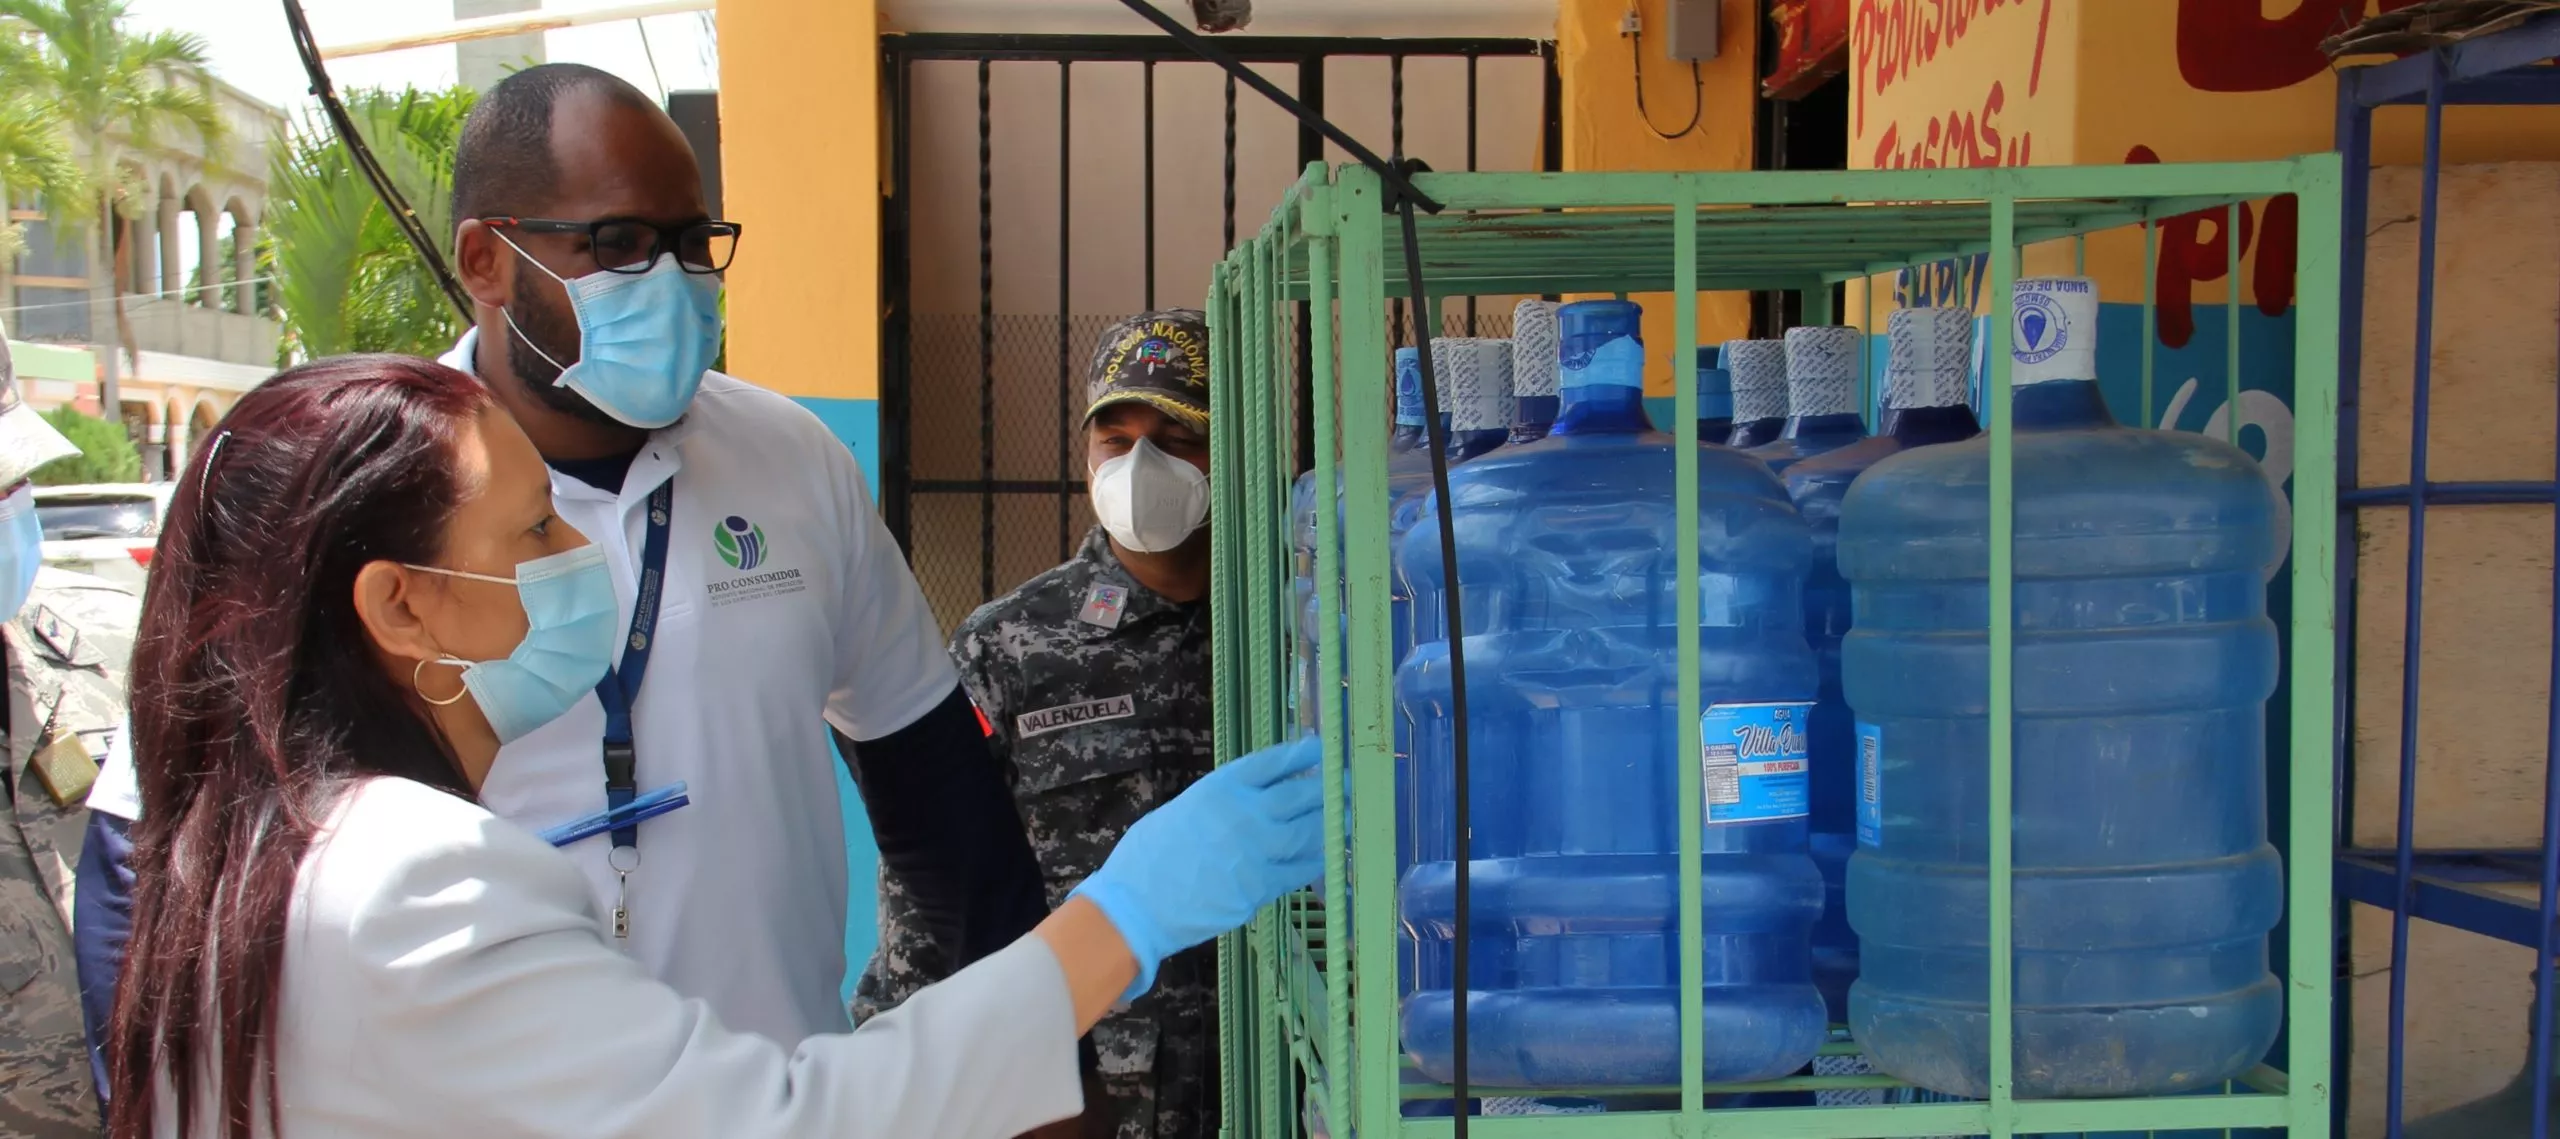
<point x="766" y="601"/>
<point x="66" y="638"/>
<point x="1093" y="679"/>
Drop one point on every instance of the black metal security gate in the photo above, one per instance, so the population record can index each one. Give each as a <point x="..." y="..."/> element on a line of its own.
<point x="983" y="377"/>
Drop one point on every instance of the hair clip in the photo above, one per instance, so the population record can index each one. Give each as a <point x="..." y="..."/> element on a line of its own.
<point x="212" y="455"/>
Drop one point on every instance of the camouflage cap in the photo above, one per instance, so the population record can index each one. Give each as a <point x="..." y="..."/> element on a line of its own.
<point x="1160" y="359"/>
<point x="26" y="440"/>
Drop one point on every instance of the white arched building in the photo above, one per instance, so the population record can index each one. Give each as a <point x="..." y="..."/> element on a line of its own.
<point x="200" y="320"/>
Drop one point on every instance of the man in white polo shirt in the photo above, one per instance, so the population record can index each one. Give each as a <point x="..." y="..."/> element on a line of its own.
<point x="782" y="606"/>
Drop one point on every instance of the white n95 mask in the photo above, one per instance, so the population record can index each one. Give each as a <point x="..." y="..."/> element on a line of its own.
<point x="1150" y="501"/>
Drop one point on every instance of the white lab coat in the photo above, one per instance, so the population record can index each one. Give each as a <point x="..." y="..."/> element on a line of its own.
<point x="446" y="974"/>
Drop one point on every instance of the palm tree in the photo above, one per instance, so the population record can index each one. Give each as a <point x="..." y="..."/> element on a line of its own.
<point x="113" y="90"/>
<point x="346" y="278"/>
<point x="34" y="159"/>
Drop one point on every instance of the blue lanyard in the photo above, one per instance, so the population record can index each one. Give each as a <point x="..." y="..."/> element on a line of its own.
<point x="655" y="803"/>
<point x="621" y="684"/>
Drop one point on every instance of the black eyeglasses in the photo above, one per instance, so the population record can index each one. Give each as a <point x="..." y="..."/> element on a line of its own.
<point x="624" y="245"/>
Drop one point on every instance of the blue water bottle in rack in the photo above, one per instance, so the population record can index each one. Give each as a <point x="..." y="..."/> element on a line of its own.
<point x="2144" y="886"/>
<point x="1564" y="553"/>
<point x="1928" y="393"/>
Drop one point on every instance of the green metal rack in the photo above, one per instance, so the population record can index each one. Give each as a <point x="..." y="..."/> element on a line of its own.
<point x="1309" y="989"/>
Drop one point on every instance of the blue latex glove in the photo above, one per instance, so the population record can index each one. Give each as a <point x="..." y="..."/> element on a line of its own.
<point x="1201" y="865"/>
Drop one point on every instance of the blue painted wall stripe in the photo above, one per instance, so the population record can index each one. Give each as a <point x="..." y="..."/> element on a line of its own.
<point x="857" y="422"/>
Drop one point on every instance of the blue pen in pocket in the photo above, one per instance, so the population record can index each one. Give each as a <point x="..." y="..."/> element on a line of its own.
<point x="638" y="810"/>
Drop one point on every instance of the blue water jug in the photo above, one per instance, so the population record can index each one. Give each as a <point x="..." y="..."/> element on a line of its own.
<point x="1564" y="552"/>
<point x="1413" y="420"/>
<point x="2145" y="887"/>
<point x="1928" y="393"/>
<point x="1533" y="369"/>
<point x="1407" y="435"/>
<point x="1475" y="372"/>
<point x="1475" y="375"/>
<point x="1408" y="474"/>
<point x="1757" y="370"/>
<point x="1715" y="396"/>
<point x="1822" y="396"/>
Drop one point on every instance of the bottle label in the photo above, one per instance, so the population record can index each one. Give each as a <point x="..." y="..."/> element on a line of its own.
<point x="1870" y="785"/>
<point x="1754" y="759"/>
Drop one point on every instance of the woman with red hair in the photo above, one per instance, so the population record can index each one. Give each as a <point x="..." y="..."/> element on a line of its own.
<point x="360" y="593"/>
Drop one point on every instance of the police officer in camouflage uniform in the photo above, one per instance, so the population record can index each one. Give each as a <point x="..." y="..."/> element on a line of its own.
<point x="1093" y="680"/>
<point x="67" y="646"/>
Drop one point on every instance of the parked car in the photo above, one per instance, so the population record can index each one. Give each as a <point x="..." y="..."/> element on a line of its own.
<point x="105" y="529"/>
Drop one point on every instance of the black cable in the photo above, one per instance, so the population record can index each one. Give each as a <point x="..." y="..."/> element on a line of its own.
<point x="1404" y="199"/>
<point x="1439" y="433"/>
<point x="1697" y="93"/>
<point x="1200" y="46"/>
<point x="308" y="48"/>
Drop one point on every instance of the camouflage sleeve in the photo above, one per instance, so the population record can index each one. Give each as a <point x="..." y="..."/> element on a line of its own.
<point x="906" y="959"/>
<point x="979" y="666"/>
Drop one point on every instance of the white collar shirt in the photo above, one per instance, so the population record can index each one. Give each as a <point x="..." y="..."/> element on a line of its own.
<point x="740" y="897"/>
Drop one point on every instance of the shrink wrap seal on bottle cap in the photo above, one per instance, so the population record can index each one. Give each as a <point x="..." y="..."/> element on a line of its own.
<point x="1929" y="358"/>
<point x="1475" y="381"/>
<point x="1534" y="349"/>
<point x="1599" y="344"/>
<point x="1715" y="385"/>
<point x="1759" y="371"/>
<point x="2053" y="330"/>
<point x="1409" y="387"/>
<point x="1822" y="370"/>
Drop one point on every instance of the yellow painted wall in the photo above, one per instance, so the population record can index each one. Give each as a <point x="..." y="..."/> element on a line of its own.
<point x="2133" y="49"/>
<point x="1995" y="88"/>
<point x="2087" y="81"/>
<point x="800" y="151"/>
<point x="1964" y="84"/>
<point x="1603" y="132"/>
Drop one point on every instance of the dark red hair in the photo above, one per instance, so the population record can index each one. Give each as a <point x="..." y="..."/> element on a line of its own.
<point x="257" y="699"/>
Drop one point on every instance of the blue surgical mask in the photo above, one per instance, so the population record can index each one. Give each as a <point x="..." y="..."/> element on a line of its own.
<point x="571" y="616"/>
<point x="21" y="549"/>
<point x="644" y="339"/>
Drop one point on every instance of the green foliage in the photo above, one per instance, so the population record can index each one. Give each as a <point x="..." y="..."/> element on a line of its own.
<point x="35" y="161"/>
<point x="347" y="280"/>
<point x="110" y="87"/>
<point x="106" y="455"/>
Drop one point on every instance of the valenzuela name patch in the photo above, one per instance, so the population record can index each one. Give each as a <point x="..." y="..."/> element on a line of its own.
<point x="1065" y="716"/>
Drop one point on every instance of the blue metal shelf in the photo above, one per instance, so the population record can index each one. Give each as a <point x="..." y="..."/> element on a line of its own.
<point x="2448" y="887"/>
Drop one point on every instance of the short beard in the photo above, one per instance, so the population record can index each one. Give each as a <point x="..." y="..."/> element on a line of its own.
<point x="536" y="320"/>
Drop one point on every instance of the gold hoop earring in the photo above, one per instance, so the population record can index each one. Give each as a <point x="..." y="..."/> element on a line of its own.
<point x="415" y="677"/>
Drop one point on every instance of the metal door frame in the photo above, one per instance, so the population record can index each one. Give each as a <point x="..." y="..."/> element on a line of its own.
<point x="898" y="484"/>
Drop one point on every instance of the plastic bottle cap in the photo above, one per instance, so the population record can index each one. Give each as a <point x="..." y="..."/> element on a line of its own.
<point x="1929" y="358"/>
<point x="1822" y="370"/>
<point x="1534" y="349"/>
<point x="2053" y="332"/>
<point x="1475" y="376"/>
<point x="1600" y="344"/>
<point x="1408" y="387"/>
<point x="1715" y="385"/>
<point x="1759" y="371"/>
